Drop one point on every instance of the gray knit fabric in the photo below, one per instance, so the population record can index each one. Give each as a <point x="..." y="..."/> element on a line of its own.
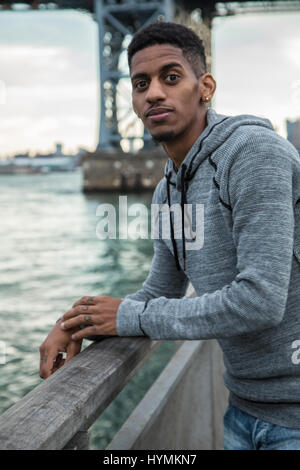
<point x="247" y="273"/>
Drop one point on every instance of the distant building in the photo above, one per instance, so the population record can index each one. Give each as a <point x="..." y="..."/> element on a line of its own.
<point x="293" y="132"/>
<point x="58" y="151"/>
<point x="22" y="155"/>
<point x="42" y="163"/>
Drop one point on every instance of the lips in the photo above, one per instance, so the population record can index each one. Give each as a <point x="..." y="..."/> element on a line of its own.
<point x="157" y="114"/>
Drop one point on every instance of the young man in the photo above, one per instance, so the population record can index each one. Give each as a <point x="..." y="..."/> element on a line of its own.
<point x="245" y="179"/>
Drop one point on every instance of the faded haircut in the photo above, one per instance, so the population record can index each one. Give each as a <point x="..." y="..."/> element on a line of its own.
<point x="174" y="34"/>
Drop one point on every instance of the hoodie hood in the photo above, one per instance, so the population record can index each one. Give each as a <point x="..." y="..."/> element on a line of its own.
<point x="219" y="128"/>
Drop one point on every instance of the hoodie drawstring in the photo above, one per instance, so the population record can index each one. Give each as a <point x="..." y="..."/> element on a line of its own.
<point x="171" y="224"/>
<point x="183" y="201"/>
<point x="198" y="154"/>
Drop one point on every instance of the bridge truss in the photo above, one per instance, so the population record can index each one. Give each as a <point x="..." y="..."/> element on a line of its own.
<point x="117" y="21"/>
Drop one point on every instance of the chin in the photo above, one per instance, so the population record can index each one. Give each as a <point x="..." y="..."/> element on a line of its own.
<point x="164" y="136"/>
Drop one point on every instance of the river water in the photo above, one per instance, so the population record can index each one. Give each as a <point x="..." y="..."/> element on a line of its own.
<point x="50" y="255"/>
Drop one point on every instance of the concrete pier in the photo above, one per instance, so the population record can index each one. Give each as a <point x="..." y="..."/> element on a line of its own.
<point x="125" y="172"/>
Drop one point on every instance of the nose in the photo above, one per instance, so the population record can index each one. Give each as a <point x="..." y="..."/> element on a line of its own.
<point x="155" y="92"/>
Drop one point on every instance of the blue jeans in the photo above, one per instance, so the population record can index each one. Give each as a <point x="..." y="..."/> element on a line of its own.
<point x="245" y="432"/>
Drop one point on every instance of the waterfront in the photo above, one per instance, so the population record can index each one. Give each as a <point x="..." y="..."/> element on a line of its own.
<point x="50" y="256"/>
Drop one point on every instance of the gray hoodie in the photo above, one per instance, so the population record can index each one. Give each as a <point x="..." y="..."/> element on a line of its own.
<point x="239" y="247"/>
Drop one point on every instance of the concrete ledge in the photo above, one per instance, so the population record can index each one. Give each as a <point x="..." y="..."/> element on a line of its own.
<point x="105" y="171"/>
<point x="184" y="408"/>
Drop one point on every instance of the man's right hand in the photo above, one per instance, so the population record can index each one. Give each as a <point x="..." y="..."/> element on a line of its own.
<point x="57" y="342"/>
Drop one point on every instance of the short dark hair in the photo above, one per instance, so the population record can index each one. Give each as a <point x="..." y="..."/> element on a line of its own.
<point x="174" y="34"/>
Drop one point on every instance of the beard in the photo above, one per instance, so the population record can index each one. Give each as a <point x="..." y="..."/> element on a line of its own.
<point x="164" y="137"/>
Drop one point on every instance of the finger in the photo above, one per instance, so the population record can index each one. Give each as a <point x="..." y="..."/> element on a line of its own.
<point x="58" y="362"/>
<point x="86" y="332"/>
<point x="42" y="353"/>
<point x="79" y="310"/>
<point x="73" y="348"/>
<point x="92" y="300"/>
<point x="80" y="320"/>
<point x="57" y="359"/>
<point x="47" y="363"/>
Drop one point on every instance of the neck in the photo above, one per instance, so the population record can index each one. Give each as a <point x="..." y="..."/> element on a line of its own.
<point x="178" y="148"/>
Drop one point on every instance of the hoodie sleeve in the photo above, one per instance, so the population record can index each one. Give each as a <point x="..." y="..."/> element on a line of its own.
<point x="260" y="193"/>
<point x="163" y="281"/>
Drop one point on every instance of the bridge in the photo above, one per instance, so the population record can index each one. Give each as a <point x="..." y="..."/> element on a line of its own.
<point x="118" y="20"/>
<point x="184" y="407"/>
<point x="119" y="128"/>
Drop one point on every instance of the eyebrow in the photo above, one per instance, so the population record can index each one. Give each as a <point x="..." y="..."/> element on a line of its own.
<point x="164" y="68"/>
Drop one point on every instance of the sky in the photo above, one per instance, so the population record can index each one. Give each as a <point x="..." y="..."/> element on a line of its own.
<point x="49" y="85"/>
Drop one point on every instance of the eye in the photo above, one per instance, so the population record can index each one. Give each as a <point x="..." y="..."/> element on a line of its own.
<point x="140" y="85"/>
<point x="172" y="78"/>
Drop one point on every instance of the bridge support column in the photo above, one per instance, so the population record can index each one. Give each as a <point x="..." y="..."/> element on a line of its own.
<point x="117" y="23"/>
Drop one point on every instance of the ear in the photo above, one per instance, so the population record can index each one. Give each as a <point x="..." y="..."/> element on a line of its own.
<point x="200" y="90"/>
<point x="208" y="87"/>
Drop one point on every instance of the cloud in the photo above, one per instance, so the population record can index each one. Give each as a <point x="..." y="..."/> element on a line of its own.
<point x="49" y="64"/>
<point x="50" y="71"/>
<point x="256" y="63"/>
<point x="292" y="47"/>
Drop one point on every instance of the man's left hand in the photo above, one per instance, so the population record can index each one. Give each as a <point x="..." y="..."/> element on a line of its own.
<point x="100" y="313"/>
